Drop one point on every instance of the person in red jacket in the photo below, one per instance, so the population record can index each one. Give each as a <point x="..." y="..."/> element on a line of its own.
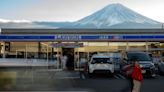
<point x="136" y="76"/>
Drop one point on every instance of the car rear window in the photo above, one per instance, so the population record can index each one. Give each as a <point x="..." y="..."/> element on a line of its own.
<point x="139" y="56"/>
<point x="101" y="60"/>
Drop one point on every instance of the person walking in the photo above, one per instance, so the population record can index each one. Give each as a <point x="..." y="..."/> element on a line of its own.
<point x="136" y="76"/>
<point x="64" y="61"/>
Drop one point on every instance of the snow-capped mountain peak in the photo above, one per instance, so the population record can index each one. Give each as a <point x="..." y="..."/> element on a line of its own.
<point x="114" y="14"/>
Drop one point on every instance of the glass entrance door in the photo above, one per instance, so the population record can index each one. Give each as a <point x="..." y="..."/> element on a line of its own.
<point x="68" y="58"/>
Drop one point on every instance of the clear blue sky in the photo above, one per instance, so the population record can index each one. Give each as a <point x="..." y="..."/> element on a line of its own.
<point x="72" y="10"/>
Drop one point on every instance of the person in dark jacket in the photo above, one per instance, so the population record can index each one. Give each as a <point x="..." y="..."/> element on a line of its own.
<point x="127" y="69"/>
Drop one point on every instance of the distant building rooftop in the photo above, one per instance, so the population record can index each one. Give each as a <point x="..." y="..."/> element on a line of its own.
<point x="79" y="31"/>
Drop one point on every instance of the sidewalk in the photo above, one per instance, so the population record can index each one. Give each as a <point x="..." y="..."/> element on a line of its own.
<point x="65" y="74"/>
<point x="25" y="62"/>
<point x="40" y="80"/>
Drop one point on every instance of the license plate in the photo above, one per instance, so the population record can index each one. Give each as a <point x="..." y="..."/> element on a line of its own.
<point x="143" y="71"/>
<point x="101" y="66"/>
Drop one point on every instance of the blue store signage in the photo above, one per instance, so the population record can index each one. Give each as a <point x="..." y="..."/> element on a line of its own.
<point x="81" y="37"/>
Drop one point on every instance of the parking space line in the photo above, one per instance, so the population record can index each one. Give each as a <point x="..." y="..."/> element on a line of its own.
<point x="116" y="77"/>
<point x="82" y="76"/>
<point x="159" y="76"/>
<point x="67" y="78"/>
<point x="121" y="76"/>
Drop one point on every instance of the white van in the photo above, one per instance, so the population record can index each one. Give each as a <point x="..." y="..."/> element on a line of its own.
<point x="101" y="64"/>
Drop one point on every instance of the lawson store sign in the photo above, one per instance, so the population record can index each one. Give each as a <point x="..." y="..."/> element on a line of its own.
<point x="84" y="37"/>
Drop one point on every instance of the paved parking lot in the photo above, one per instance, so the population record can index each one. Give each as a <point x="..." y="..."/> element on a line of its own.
<point x="54" y="80"/>
<point x="118" y="82"/>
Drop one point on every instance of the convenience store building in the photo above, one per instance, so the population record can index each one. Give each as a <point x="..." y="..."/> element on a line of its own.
<point x="80" y="43"/>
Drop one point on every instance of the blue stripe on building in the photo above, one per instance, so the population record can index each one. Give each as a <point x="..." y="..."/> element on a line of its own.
<point x="80" y="37"/>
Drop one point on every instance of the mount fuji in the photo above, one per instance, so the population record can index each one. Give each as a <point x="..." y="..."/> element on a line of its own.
<point x="113" y="16"/>
<point x="116" y="16"/>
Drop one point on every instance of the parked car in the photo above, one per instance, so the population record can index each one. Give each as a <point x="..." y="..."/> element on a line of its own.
<point x="100" y="64"/>
<point x="116" y="61"/>
<point x="146" y="63"/>
<point x="161" y="67"/>
<point x="115" y="57"/>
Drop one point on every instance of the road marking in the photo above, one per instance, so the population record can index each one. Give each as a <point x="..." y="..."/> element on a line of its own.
<point x="159" y="76"/>
<point x="82" y="76"/>
<point x="116" y="77"/>
<point x="67" y="77"/>
<point x="121" y="76"/>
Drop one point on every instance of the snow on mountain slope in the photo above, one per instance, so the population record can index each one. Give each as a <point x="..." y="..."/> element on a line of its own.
<point x="111" y="15"/>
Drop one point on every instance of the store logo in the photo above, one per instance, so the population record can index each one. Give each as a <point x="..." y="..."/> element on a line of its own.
<point x="117" y="37"/>
<point x="103" y="37"/>
<point x="68" y="37"/>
